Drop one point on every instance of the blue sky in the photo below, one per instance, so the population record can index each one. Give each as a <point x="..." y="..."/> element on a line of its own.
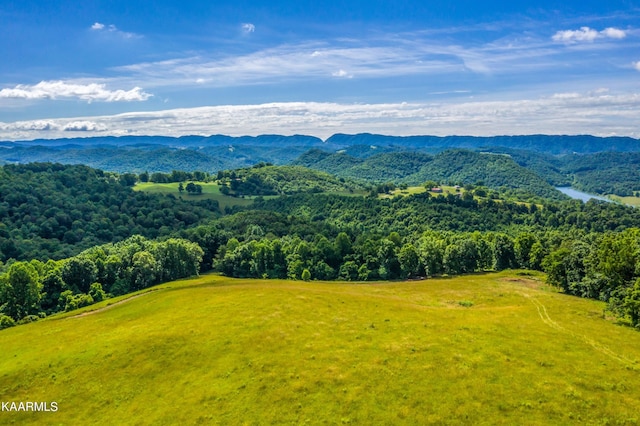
<point x="241" y="67"/>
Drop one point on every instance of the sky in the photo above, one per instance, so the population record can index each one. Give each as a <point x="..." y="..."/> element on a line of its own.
<point x="114" y="67"/>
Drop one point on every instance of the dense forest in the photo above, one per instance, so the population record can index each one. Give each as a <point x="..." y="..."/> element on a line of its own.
<point x="267" y="179"/>
<point x="52" y="211"/>
<point x="72" y="235"/>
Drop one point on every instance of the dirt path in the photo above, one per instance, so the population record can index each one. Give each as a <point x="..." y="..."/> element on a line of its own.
<point x="120" y="302"/>
<point x="544" y="316"/>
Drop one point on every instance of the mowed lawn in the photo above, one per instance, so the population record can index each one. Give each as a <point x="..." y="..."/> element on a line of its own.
<point x="479" y="349"/>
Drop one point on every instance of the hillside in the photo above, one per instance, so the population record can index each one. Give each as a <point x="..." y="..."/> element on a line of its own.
<point x="284" y="180"/>
<point x="605" y="173"/>
<point x="496" y="171"/>
<point x="384" y="167"/>
<point x="493" y="170"/>
<point x="496" y="348"/>
<point x="55" y="211"/>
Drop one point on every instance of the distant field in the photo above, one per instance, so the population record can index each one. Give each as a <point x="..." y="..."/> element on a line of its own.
<point x="210" y="191"/>
<point x="479" y="349"/>
<point x="421" y="189"/>
<point x="631" y="201"/>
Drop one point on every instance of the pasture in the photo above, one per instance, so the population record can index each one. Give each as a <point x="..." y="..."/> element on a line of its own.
<point x="500" y="348"/>
<point x="210" y="191"/>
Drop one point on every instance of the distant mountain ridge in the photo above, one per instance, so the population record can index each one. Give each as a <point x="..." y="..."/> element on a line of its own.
<point x="552" y="144"/>
<point x="220" y="152"/>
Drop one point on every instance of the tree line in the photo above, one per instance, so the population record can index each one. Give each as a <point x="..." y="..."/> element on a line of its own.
<point x="34" y="289"/>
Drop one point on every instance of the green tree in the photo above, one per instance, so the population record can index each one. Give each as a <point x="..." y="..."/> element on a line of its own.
<point x="79" y="273"/>
<point x="409" y="260"/>
<point x="523" y="245"/>
<point x="144" y="270"/>
<point x="343" y="245"/>
<point x="20" y="291"/>
<point x="504" y="252"/>
<point x="631" y="304"/>
<point x="97" y="293"/>
<point x="348" y="271"/>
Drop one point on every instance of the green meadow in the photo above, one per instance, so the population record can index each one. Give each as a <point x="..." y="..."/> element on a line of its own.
<point x="210" y="191"/>
<point x="498" y="348"/>
<point x="630" y="201"/>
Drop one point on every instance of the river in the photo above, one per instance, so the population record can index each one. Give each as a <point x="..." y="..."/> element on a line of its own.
<point x="579" y="195"/>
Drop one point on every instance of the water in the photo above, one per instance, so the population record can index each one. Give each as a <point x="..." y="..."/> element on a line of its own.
<point x="579" y="195"/>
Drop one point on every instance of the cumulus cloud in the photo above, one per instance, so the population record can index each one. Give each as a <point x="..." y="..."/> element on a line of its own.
<point x="66" y="90"/>
<point x="83" y="126"/>
<point x="586" y="34"/>
<point x="97" y="26"/>
<point x="248" y="28"/>
<point x="613" y="33"/>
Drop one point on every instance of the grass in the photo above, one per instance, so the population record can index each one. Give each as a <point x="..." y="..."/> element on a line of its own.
<point x="411" y="190"/>
<point x="210" y="191"/>
<point x="630" y="201"/>
<point x="479" y="349"/>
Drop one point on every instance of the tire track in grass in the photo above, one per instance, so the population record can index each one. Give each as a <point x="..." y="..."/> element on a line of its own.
<point x="544" y="316"/>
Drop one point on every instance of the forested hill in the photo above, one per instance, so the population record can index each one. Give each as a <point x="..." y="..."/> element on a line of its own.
<point x="213" y="153"/>
<point x="552" y="144"/>
<point x="55" y="211"/>
<point x="263" y="179"/>
<point x="386" y="167"/>
<point x="493" y="170"/>
<point x="138" y="154"/>
<point x="453" y="166"/>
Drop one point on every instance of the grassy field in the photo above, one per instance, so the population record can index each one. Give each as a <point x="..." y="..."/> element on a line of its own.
<point x="421" y="189"/>
<point x="210" y="191"/>
<point x="630" y="201"/>
<point x="479" y="349"/>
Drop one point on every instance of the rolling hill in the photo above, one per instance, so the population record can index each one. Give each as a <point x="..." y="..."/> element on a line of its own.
<point x="492" y="348"/>
<point x="497" y="171"/>
<point x="280" y="180"/>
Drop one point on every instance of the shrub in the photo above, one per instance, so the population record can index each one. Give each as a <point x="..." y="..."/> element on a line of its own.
<point x="28" y="319"/>
<point x="6" y="322"/>
<point x="306" y="275"/>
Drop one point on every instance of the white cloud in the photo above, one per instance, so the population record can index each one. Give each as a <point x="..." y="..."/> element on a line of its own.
<point x="613" y="33"/>
<point x="295" y="62"/>
<point x="583" y="34"/>
<point x="100" y="27"/>
<point x="588" y="34"/>
<point x="636" y="65"/>
<point x="65" y="90"/>
<point x="342" y="74"/>
<point x="597" y="113"/>
<point x="248" y="28"/>
<point x="83" y="126"/>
